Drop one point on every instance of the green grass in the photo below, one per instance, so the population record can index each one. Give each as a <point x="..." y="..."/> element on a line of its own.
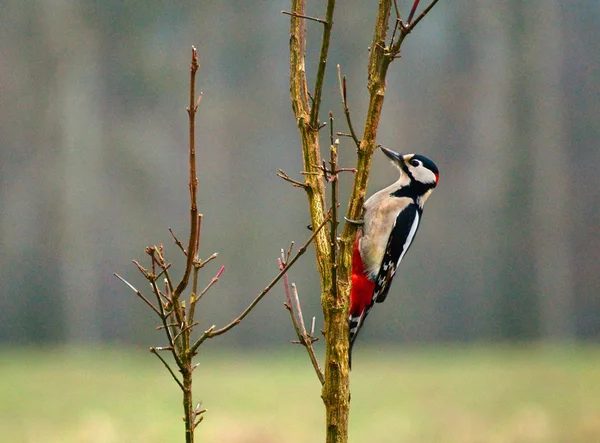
<point x="437" y="394"/>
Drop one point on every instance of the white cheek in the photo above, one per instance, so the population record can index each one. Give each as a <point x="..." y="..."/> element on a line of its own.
<point x="424" y="175"/>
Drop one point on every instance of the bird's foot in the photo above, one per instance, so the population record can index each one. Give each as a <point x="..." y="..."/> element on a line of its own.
<point x="355" y="222"/>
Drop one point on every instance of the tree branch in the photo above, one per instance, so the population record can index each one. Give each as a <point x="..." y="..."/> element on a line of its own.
<point x="315" y="19"/>
<point x="139" y="294"/>
<point x="412" y="11"/>
<point x="211" y="332"/>
<point x="328" y="24"/>
<point x="422" y="15"/>
<point x="293" y="307"/>
<point x="191" y="110"/>
<point x="342" y="82"/>
<point x="155" y="350"/>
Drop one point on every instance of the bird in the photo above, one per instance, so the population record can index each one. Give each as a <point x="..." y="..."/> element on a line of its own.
<point x="390" y="221"/>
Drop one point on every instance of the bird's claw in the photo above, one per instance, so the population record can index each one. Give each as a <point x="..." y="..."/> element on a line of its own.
<point x="355" y="222"/>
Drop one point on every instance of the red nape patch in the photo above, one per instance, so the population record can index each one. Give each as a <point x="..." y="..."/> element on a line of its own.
<point x="437" y="178"/>
<point x="361" y="293"/>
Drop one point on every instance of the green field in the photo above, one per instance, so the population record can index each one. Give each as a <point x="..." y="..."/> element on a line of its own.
<point x="436" y="394"/>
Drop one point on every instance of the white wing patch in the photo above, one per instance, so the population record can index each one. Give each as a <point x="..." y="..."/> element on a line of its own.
<point x="394" y="252"/>
<point x="409" y="239"/>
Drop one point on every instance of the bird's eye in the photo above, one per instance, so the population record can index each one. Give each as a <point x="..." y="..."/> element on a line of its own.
<point x="416" y="163"/>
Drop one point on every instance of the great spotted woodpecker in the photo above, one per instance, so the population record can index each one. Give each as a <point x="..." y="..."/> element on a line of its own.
<point x="390" y="221"/>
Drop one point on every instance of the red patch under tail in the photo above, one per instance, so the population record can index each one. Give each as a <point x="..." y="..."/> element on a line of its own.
<point x="361" y="293"/>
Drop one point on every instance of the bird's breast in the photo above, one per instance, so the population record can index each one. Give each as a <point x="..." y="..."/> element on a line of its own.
<point x="379" y="219"/>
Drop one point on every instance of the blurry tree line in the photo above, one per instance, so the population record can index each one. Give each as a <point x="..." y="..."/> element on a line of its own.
<point x="504" y="96"/>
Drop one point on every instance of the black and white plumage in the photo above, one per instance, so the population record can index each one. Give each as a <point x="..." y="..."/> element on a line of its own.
<point x="391" y="218"/>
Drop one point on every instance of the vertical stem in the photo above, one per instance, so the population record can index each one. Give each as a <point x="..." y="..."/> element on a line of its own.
<point x="337" y="311"/>
<point x="311" y="155"/>
<point x="334" y="267"/>
<point x="314" y="116"/>
<point x="336" y="389"/>
<point x="333" y="166"/>
<point x="186" y="354"/>
<point x="187" y="401"/>
<point x="191" y="250"/>
<point x="379" y="62"/>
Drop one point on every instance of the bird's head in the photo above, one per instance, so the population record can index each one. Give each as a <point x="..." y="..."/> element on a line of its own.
<point x="417" y="168"/>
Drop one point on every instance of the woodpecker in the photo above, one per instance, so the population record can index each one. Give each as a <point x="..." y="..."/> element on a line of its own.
<point x="390" y="221"/>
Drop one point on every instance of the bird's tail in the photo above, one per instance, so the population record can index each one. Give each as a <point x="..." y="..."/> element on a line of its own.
<point x="361" y="295"/>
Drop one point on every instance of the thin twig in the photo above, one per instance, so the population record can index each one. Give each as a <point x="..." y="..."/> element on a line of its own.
<point x="308" y="340"/>
<point x="192" y="108"/>
<point x="343" y="93"/>
<point x="333" y="164"/>
<point x="397" y="10"/>
<point x="315" y="19"/>
<point x="213" y="333"/>
<point x="287" y="178"/>
<point x="328" y="24"/>
<point x="197" y="240"/>
<point x="298" y="310"/>
<point x="164" y="269"/>
<point x="160" y="327"/>
<point x="155" y="352"/>
<point x="201" y="264"/>
<point x="412" y="12"/>
<point x="212" y="282"/>
<point x="187" y="328"/>
<point x="143" y="270"/>
<point x="193" y="298"/>
<point x="422" y="15"/>
<point x="289" y="253"/>
<point x="178" y="242"/>
<point x="394" y="50"/>
<point x="397" y="24"/>
<point x="305" y="339"/>
<point x="139" y="294"/>
<point x="169" y="282"/>
<point x="169" y="329"/>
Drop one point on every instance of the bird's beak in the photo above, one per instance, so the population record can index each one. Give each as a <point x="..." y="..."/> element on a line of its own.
<point x="394" y="156"/>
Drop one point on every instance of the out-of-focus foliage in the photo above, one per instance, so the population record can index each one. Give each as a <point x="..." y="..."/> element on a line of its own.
<point x="503" y="96"/>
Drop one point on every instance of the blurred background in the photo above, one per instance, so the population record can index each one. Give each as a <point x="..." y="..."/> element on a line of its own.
<point x="503" y="96"/>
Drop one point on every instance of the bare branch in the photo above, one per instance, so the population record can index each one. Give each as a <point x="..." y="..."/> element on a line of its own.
<point x="307" y="339"/>
<point x="397" y="10"/>
<point x="155" y="352"/>
<point x="293" y="307"/>
<point x="143" y="270"/>
<point x="315" y="19"/>
<point x="289" y="253"/>
<point x="422" y="15"/>
<point x="139" y="294"/>
<point x="186" y="329"/>
<point x="193" y="180"/>
<point x="213" y="333"/>
<point x="333" y="164"/>
<point x="287" y="178"/>
<point x="212" y="282"/>
<point x="169" y="328"/>
<point x="197" y="239"/>
<point x="314" y="115"/>
<point x="343" y="92"/>
<point x="201" y="264"/>
<point x="398" y="23"/>
<point x="412" y="11"/>
<point x="177" y="242"/>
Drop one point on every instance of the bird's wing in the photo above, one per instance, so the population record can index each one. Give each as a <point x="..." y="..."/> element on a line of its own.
<point x="401" y="237"/>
